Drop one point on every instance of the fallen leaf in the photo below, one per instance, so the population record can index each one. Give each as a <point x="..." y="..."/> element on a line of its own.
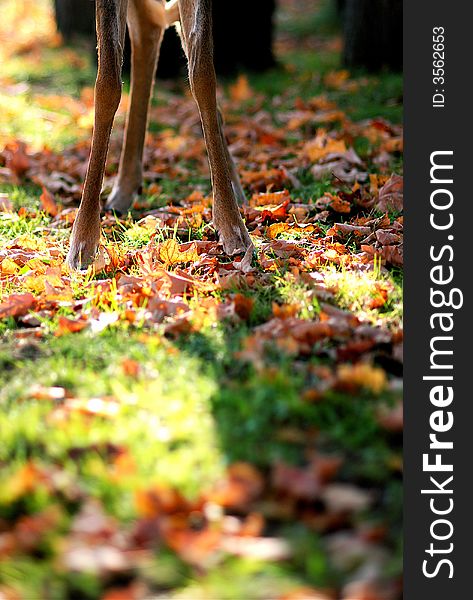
<point x="241" y="90"/>
<point x="390" y="196"/>
<point x="16" y="305"/>
<point x="48" y="203"/>
<point x="6" y="205"/>
<point x="66" y="325"/>
<point x="170" y="253"/>
<point x="130" y="367"/>
<point x="361" y="375"/>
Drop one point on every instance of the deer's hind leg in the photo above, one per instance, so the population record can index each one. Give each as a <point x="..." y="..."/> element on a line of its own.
<point x="146" y="25"/>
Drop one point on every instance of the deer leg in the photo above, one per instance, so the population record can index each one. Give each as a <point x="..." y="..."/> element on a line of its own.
<point x="110" y="22"/>
<point x="196" y="34"/>
<point x="236" y="183"/>
<point x="146" y="25"/>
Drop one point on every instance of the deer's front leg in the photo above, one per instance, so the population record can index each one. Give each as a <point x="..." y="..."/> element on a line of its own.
<point x="196" y="25"/>
<point x="110" y="20"/>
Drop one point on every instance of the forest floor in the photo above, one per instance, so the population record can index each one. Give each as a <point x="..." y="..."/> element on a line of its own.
<point x="176" y="423"/>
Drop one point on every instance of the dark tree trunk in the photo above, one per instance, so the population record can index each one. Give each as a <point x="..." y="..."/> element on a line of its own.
<point x="243" y="35"/>
<point x="75" y="17"/>
<point x="340" y="4"/>
<point x="373" y="33"/>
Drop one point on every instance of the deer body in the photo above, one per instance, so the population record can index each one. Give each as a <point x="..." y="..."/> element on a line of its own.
<point x="147" y="20"/>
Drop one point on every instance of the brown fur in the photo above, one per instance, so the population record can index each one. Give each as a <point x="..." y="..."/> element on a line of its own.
<point x="147" y="20"/>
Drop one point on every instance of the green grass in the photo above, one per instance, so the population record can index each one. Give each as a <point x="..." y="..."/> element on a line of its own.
<point x="42" y="122"/>
<point x="178" y="423"/>
<point x="166" y="409"/>
<point x="355" y="292"/>
<point x="323" y="22"/>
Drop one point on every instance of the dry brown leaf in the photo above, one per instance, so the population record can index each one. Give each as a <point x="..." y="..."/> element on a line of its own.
<point x="390" y="196"/>
<point x="6" y="205"/>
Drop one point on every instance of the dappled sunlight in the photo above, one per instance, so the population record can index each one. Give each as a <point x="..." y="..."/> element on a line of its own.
<point x="33" y="25"/>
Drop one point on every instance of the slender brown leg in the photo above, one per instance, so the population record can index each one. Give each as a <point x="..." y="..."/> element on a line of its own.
<point x="196" y="33"/>
<point x="236" y="183"/>
<point x="146" y="34"/>
<point x="110" y="22"/>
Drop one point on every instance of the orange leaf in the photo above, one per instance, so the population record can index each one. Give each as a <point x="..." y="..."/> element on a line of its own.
<point x="170" y="253"/>
<point x="362" y="375"/>
<point x="336" y="203"/>
<point x="274" y="198"/>
<point x="8" y="267"/>
<point x="48" y="203"/>
<point x="335" y="79"/>
<point x="130" y="367"/>
<point x="275" y="212"/>
<point x="159" y="500"/>
<point x="243" y="306"/>
<point x="16" y="305"/>
<point x="321" y="146"/>
<point x="23" y="481"/>
<point x="284" y="311"/>
<point x="190" y="254"/>
<point x="276" y="228"/>
<point x="241" y="90"/>
<point x="340" y="206"/>
<point x="66" y="325"/>
<point x="242" y="485"/>
<point x="17" y="160"/>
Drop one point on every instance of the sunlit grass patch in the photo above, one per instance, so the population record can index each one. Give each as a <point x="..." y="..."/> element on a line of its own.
<point x="33" y="64"/>
<point x="57" y="72"/>
<point x="250" y="579"/>
<point x="161" y="415"/>
<point x="374" y="294"/>
<point x="13" y="225"/>
<point x="21" y="196"/>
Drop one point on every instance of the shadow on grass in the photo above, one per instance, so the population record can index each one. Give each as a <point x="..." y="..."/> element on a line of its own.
<point x="261" y="417"/>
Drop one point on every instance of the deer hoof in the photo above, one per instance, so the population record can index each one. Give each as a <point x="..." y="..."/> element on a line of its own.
<point x="81" y="255"/>
<point x="84" y="242"/>
<point x="234" y="238"/>
<point x="120" y="201"/>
